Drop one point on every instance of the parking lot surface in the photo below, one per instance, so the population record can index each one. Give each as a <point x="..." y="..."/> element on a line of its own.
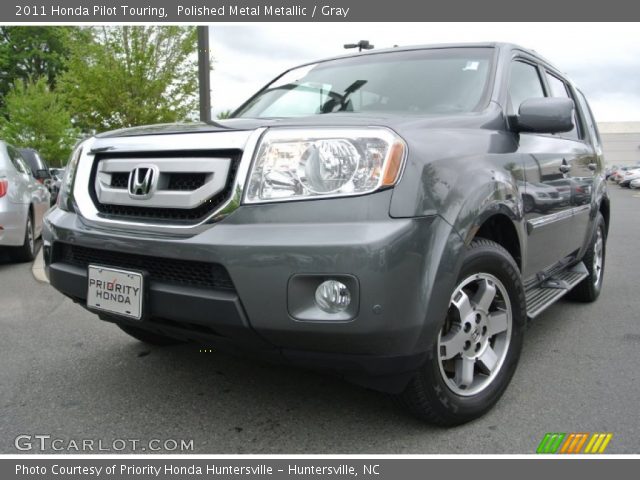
<point x="67" y="374"/>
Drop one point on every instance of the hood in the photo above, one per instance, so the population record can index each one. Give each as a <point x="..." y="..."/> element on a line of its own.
<point x="491" y="118"/>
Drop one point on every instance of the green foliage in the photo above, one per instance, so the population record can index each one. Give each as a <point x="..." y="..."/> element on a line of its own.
<point x="34" y="52"/>
<point x="129" y="76"/>
<point x="36" y="117"/>
<point x="224" y="114"/>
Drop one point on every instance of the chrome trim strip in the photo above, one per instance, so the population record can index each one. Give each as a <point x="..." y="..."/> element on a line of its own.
<point x="555" y="217"/>
<point x="240" y="140"/>
<point x="551" y="218"/>
<point x="582" y="208"/>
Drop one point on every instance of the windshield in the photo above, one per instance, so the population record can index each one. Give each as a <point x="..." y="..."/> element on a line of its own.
<point x="435" y="81"/>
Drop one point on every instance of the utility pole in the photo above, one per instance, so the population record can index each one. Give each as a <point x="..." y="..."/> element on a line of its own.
<point x="204" y="73"/>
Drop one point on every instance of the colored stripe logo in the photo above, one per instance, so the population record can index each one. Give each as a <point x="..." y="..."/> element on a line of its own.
<point x="574" y="443"/>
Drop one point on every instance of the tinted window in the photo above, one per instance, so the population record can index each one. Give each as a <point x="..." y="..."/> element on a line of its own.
<point x="450" y="80"/>
<point x="524" y="83"/>
<point x="33" y="159"/>
<point x="18" y="161"/>
<point x="560" y="89"/>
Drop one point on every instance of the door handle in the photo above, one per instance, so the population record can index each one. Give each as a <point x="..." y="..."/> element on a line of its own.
<point x="592" y="166"/>
<point x="565" y="168"/>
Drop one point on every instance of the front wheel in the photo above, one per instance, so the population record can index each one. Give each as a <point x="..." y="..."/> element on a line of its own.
<point x="478" y="346"/>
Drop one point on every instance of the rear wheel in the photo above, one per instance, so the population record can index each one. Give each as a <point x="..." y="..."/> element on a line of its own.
<point x="589" y="289"/>
<point x="478" y="346"/>
<point x="27" y="252"/>
<point x="148" y="337"/>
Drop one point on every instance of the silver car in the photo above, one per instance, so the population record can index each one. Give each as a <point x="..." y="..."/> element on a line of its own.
<point x="23" y="203"/>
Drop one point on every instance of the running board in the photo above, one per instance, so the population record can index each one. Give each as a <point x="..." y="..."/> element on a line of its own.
<point x="552" y="289"/>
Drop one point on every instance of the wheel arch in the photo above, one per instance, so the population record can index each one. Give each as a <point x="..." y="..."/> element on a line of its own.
<point x="501" y="229"/>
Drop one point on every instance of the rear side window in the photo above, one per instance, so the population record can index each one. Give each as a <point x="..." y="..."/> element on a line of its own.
<point x="524" y="83"/>
<point x="560" y="89"/>
<point x="18" y="161"/>
<point x="32" y="159"/>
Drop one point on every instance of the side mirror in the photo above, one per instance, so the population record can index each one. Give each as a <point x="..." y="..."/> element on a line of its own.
<point x="42" y="174"/>
<point x="545" y="115"/>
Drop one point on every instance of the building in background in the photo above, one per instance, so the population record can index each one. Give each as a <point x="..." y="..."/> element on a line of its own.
<point x="620" y="142"/>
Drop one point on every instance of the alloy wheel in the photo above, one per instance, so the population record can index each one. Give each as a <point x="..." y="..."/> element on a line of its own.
<point x="474" y="340"/>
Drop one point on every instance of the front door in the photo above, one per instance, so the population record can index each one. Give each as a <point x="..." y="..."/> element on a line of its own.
<point x="547" y="159"/>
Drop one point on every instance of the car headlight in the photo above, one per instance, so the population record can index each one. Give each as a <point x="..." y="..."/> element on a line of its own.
<point x="297" y="164"/>
<point x="542" y="195"/>
<point x="65" y="197"/>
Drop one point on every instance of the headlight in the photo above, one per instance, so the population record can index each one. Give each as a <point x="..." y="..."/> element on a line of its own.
<point x="296" y="164"/>
<point x="542" y="195"/>
<point x="65" y="197"/>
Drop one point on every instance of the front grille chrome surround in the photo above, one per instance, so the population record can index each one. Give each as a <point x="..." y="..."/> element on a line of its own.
<point x="157" y="145"/>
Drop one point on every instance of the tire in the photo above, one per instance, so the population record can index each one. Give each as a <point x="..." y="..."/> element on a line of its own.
<point x="148" y="337"/>
<point x="27" y="252"/>
<point x="589" y="289"/>
<point x="436" y="394"/>
<point x="527" y="203"/>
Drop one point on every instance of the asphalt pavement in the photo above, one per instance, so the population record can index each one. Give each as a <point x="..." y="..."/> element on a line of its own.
<point x="66" y="374"/>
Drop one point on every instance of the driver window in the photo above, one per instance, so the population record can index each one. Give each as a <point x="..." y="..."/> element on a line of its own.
<point x="524" y="83"/>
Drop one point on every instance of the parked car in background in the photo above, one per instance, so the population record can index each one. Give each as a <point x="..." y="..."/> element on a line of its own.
<point x="635" y="183"/>
<point x="23" y="203"/>
<point x="609" y="171"/>
<point x="628" y="176"/>
<point x="57" y="174"/>
<point x="37" y="165"/>
<point x="618" y="175"/>
<point x="40" y="171"/>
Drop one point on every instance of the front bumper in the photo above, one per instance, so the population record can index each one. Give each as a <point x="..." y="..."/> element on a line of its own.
<point x="262" y="247"/>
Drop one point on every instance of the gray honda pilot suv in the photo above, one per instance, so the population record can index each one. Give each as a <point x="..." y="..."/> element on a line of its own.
<point x="394" y="216"/>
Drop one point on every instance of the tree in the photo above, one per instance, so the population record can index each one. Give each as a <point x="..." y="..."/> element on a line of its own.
<point x="224" y="114"/>
<point x="129" y="76"/>
<point x="36" y="117"/>
<point x="34" y="52"/>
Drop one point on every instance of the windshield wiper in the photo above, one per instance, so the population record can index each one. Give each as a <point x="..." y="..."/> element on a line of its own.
<point x="343" y="100"/>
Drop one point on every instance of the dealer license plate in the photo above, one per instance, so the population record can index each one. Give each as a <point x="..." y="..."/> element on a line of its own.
<point x="115" y="291"/>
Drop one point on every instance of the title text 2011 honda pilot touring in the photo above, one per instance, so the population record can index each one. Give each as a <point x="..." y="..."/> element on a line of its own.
<point x="390" y="215"/>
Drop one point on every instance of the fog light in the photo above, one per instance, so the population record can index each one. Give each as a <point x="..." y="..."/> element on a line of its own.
<point x="333" y="296"/>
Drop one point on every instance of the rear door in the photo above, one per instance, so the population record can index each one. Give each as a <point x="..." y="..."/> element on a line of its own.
<point x="546" y="158"/>
<point x="595" y="166"/>
<point x="579" y="179"/>
<point x="33" y="192"/>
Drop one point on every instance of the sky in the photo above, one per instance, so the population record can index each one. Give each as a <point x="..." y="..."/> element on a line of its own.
<point x="602" y="59"/>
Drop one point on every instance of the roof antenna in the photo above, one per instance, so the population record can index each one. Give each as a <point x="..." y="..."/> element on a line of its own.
<point x="361" y="45"/>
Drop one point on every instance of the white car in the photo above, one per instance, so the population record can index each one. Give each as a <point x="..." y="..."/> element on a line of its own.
<point x="23" y="203"/>
<point x="635" y="183"/>
<point x="629" y="176"/>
